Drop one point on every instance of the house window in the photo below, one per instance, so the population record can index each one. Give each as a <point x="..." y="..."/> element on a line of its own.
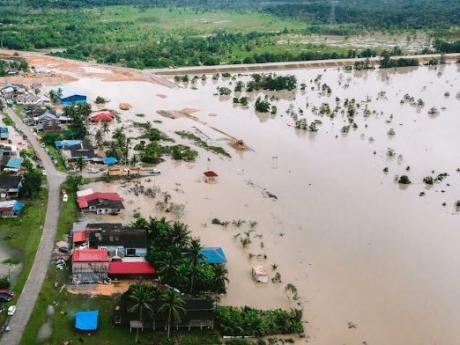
<point x="131" y="252"/>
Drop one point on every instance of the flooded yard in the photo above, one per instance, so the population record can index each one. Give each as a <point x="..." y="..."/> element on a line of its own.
<point x="374" y="261"/>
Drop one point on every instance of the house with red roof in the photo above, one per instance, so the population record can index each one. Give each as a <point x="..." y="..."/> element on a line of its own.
<point x="101" y="203"/>
<point x="126" y="268"/>
<point x="89" y="265"/>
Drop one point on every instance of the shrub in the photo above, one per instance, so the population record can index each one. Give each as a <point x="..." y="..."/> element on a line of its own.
<point x="404" y="179"/>
<point x="246" y="321"/>
<point x="4" y="283"/>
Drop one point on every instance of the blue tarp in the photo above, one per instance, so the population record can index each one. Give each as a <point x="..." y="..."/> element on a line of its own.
<point x="86" y="320"/>
<point x="110" y="161"/>
<point x="62" y="144"/>
<point x="14" y="163"/>
<point x="214" y="255"/>
<point x="18" y="206"/>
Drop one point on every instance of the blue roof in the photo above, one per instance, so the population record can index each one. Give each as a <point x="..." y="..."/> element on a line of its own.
<point x="66" y="143"/>
<point x="110" y="160"/>
<point x="3" y="129"/>
<point x="214" y="255"/>
<point x="86" y="320"/>
<point x="18" y="206"/>
<point x="14" y="163"/>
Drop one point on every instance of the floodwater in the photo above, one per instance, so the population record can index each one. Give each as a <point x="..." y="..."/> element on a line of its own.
<point x="361" y="250"/>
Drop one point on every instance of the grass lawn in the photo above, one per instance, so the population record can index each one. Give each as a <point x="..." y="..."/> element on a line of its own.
<point x="24" y="233"/>
<point x="165" y="19"/>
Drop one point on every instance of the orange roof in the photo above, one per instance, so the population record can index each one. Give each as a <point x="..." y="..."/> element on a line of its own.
<point x="80" y="236"/>
<point x="90" y="255"/>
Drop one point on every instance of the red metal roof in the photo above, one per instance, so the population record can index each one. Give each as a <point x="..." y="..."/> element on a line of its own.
<point x="90" y="255"/>
<point x="80" y="236"/>
<point x="137" y="267"/>
<point x="83" y="200"/>
<point x="102" y="117"/>
<point x="210" y="173"/>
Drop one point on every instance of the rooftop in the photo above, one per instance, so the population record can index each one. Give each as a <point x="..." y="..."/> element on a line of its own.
<point x="90" y="255"/>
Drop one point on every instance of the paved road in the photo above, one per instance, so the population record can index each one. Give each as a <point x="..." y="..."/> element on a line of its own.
<point x="26" y="301"/>
<point x="272" y="66"/>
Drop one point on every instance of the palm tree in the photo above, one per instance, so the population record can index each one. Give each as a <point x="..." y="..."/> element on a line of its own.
<point x="168" y="265"/>
<point x="142" y="296"/>
<point x="173" y="305"/>
<point x="220" y="278"/>
<point x="179" y="234"/>
<point x="196" y="258"/>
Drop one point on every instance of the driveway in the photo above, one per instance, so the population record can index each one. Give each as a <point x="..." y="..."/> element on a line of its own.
<point x="26" y="301"/>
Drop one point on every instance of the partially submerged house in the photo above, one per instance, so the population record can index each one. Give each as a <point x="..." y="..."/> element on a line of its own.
<point x="72" y="99"/>
<point x="102" y="117"/>
<point x="89" y="265"/>
<point x="101" y="203"/>
<point x="11" y="208"/>
<point x="213" y="255"/>
<point x="210" y="176"/>
<point x="10" y="186"/>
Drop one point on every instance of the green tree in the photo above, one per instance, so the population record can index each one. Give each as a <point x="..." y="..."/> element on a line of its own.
<point x="195" y="257"/>
<point x="80" y="163"/>
<point x="173" y="306"/>
<point x="142" y="296"/>
<point x="31" y="182"/>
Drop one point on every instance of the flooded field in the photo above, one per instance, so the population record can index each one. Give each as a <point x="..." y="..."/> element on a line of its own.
<point x="375" y="262"/>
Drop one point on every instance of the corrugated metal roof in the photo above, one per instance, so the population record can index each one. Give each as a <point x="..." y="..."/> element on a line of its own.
<point x="90" y="255"/>
<point x="139" y="267"/>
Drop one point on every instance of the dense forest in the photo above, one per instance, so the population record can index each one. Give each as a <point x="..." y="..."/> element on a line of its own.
<point x="162" y="33"/>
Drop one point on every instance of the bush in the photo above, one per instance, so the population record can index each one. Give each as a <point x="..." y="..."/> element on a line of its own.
<point x="404" y="179"/>
<point x="100" y="100"/>
<point x="4" y="283"/>
<point x="246" y="321"/>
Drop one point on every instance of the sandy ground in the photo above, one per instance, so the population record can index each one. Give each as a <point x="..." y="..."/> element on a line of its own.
<point x="359" y="248"/>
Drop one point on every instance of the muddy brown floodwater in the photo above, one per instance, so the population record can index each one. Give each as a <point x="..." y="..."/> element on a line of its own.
<point x="359" y="248"/>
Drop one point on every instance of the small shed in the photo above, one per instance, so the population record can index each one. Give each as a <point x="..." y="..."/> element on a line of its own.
<point x="260" y="274"/>
<point x="87" y="321"/>
<point x="213" y="255"/>
<point x="210" y="176"/>
<point x="110" y="160"/>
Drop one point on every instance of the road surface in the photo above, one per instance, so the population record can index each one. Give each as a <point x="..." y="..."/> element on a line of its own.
<point x="273" y="66"/>
<point x="26" y="301"/>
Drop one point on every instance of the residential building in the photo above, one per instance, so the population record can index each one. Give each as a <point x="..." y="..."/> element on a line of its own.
<point x="89" y="265"/>
<point x="10" y="186"/>
<point x="120" y="243"/>
<point x="101" y="203"/>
